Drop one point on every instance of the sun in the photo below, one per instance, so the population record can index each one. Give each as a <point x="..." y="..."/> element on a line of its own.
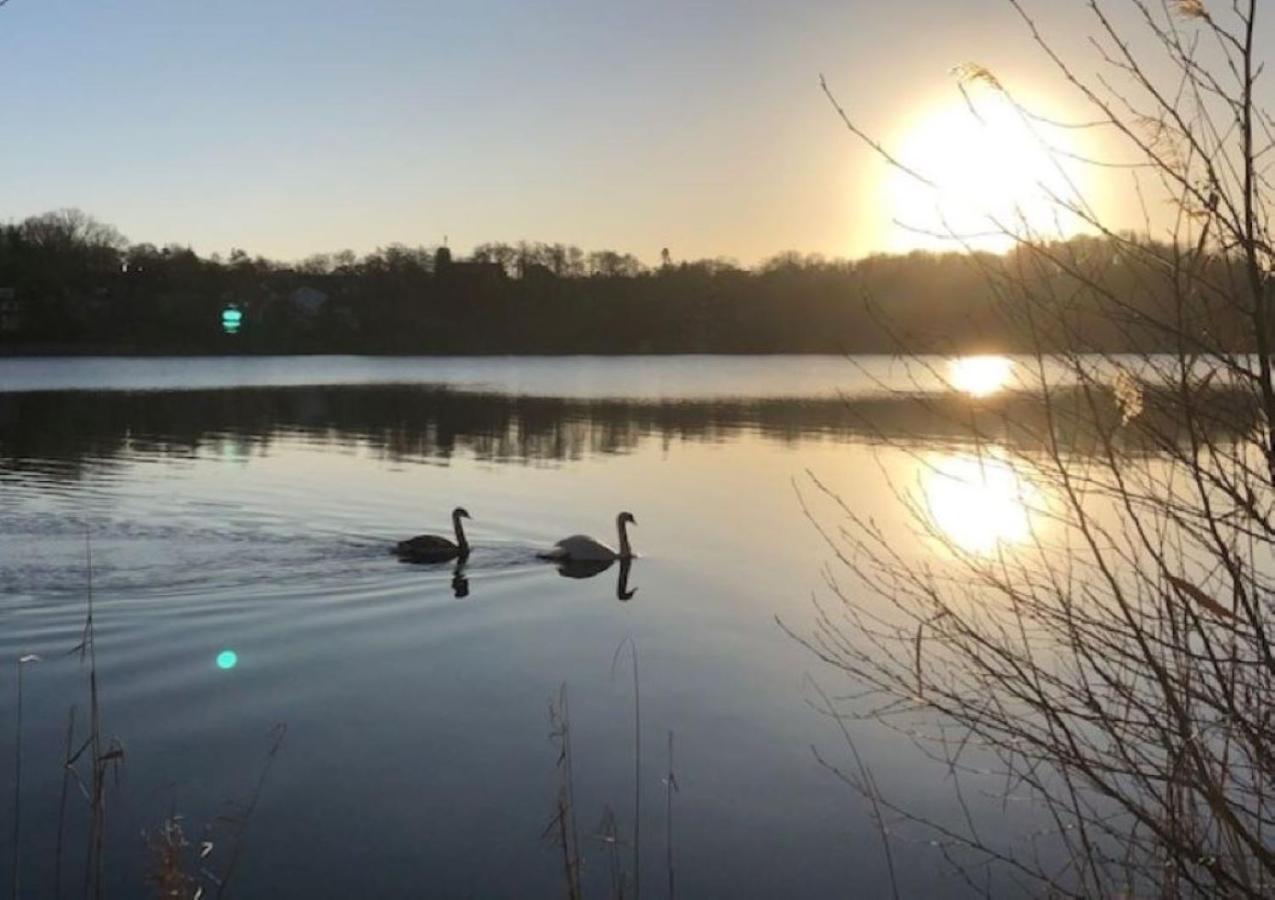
<point x="992" y="173"/>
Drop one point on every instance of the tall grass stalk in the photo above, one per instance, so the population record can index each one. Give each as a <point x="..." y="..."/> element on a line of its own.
<point x="637" y="762"/>
<point x="97" y="797"/>
<point x="563" y="823"/>
<point x="609" y="834"/>
<point x="67" y="774"/>
<point x="865" y="782"/>
<point x="277" y="734"/>
<point x="100" y="760"/>
<point x="17" y="777"/>
<point x="670" y="788"/>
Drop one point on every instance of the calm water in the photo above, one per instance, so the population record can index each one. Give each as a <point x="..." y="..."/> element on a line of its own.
<point x="248" y="505"/>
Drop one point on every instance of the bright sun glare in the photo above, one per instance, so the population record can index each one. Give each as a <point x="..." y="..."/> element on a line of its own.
<point x="977" y="503"/>
<point x="990" y="171"/>
<point x="979" y="376"/>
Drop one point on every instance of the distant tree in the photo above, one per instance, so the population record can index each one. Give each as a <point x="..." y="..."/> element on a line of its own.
<point x="317" y="264"/>
<point x="83" y="283"/>
<point x="788" y="261"/>
<point x="609" y="264"/>
<point x="65" y="230"/>
<point x="344" y="261"/>
<point x="556" y="259"/>
<point x="141" y="258"/>
<point x="503" y="254"/>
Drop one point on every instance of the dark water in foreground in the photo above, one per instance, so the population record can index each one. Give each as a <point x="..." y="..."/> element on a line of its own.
<point x="226" y="515"/>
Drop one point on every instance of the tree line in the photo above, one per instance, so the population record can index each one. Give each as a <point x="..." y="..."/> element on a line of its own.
<point x="78" y="284"/>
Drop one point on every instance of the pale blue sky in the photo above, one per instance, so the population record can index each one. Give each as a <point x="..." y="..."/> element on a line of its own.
<point x="287" y="127"/>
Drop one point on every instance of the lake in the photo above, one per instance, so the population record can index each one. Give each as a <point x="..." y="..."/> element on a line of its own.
<point x="240" y="513"/>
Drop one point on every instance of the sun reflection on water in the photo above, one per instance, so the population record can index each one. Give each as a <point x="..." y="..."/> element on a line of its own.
<point x="979" y="376"/>
<point x="978" y="503"/>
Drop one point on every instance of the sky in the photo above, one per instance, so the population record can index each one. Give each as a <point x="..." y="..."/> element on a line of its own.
<point x="288" y="128"/>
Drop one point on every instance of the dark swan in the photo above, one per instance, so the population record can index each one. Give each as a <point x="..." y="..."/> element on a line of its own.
<point x="426" y="548"/>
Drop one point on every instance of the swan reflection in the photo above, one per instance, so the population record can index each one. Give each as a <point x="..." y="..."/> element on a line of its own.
<point x="583" y="568"/>
<point x="588" y="568"/>
<point x="579" y="568"/>
<point x="978" y="503"/>
<point x="460" y="582"/>
<point x="979" y="376"/>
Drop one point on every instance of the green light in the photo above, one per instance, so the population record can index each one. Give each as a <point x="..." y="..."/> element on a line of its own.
<point x="231" y="319"/>
<point x="227" y="659"/>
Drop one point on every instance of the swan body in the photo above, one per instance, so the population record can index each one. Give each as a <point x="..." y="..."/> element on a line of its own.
<point x="426" y="548"/>
<point x="582" y="548"/>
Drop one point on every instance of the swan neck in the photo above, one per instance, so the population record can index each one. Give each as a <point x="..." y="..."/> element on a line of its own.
<point x="625" y="551"/>
<point x="460" y="532"/>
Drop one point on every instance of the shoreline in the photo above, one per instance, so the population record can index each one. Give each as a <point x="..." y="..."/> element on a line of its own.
<point x="79" y="350"/>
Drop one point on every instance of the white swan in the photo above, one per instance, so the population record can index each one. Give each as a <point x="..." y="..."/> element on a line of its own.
<point x="581" y="547"/>
<point x="432" y="548"/>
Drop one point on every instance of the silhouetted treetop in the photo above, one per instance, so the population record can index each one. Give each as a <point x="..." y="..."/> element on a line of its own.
<point x="78" y="284"/>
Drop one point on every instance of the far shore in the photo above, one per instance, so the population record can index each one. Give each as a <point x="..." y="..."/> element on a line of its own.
<point x="45" y="351"/>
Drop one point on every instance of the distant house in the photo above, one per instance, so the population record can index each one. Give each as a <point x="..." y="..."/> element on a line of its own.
<point x="466" y="274"/>
<point x="12" y="314"/>
<point x="307" y="301"/>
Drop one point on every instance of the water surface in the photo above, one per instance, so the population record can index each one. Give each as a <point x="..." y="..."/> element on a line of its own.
<point x="248" y="505"/>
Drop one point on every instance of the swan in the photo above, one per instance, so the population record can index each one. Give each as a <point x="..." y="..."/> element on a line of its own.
<point x="582" y="548"/>
<point x="432" y="548"/>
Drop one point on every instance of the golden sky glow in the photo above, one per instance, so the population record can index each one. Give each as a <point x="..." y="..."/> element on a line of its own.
<point x="292" y="128"/>
<point x="990" y="171"/>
